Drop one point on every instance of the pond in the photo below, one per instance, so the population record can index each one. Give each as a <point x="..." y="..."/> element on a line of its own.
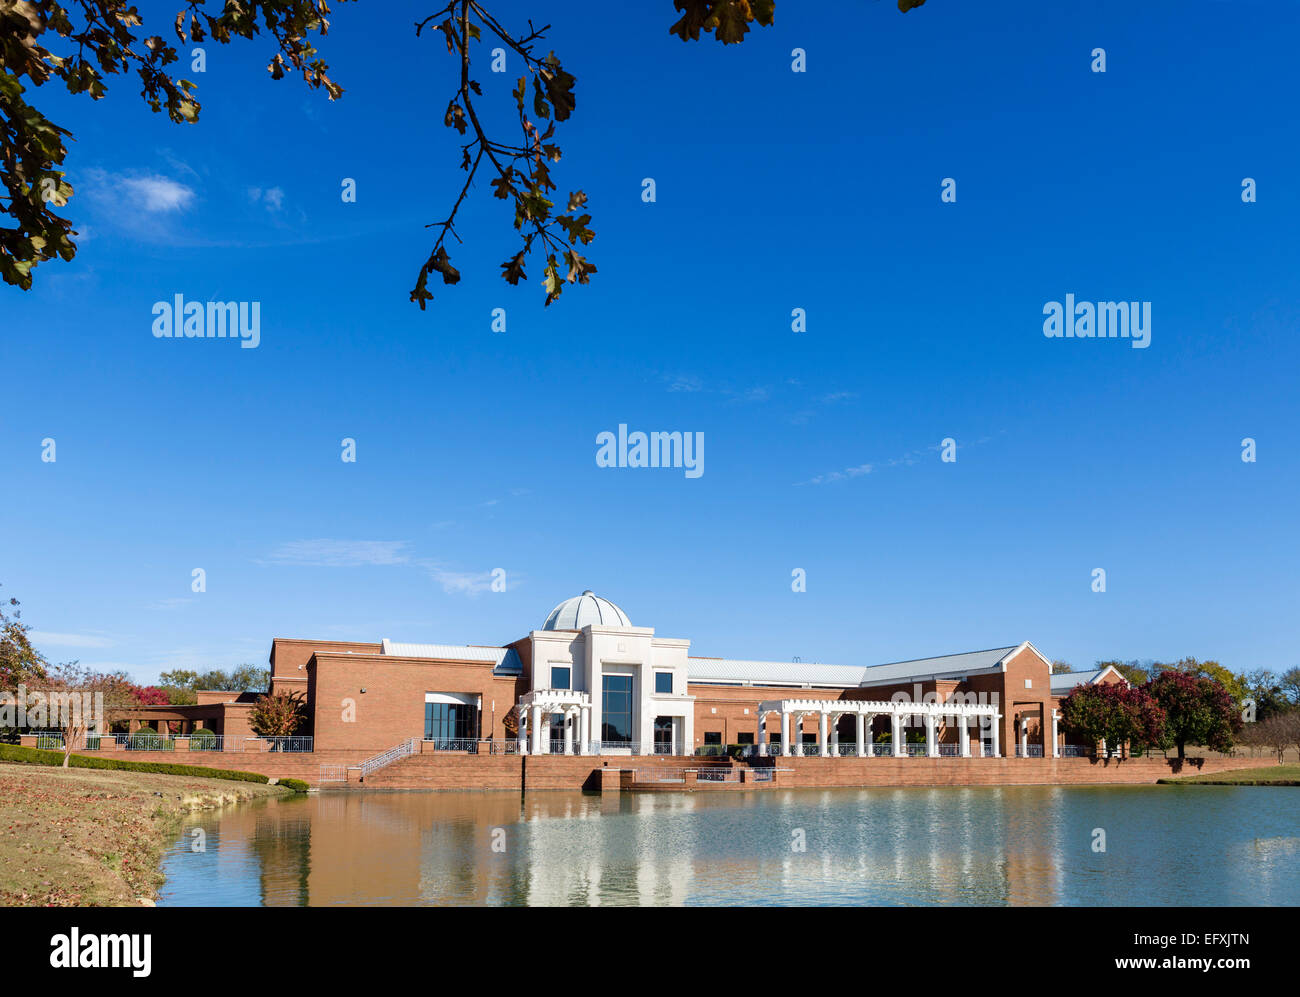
<point x="1032" y="845"/>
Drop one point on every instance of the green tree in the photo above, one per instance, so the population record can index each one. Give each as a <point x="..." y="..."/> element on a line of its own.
<point x="1290" y="685"/>
<point x="81" y="44"/>
<point x="20" y="662"/>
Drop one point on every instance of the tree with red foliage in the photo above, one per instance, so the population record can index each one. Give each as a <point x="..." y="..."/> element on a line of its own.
<point x="1198" y="710"/>
<point x="1114" y="713"/>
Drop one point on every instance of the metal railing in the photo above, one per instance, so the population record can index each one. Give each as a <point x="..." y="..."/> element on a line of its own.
<point x="761" y="774"/>
<point x="1029" y="750"/>
<point x="294" y="743"/>
<point x="393" y="754"/>
<point x="1075" y="751"/>
<point x="916" y="750"/>
<point x="208" y="742"/>
<point x="950" y="750"/>
<point x="145" y="742"/>
<point x="658" y="775"/>
<point x="609" y="747"/>
<point x="333" y="773"/>
<point x="719" y="774"/>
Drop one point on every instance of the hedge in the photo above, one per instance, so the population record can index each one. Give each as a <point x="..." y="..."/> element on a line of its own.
<point x="35" y="756"/>
<point x="297" y="785"/>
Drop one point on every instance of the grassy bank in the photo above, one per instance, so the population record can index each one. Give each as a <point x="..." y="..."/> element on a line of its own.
<point x="81" y="837"/>
<point x="1271" y="775"/>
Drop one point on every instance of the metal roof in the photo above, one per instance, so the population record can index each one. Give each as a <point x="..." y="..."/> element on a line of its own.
<point x="799" y="673"/>
<point x="1065" y="681"/>
<point x="583" y="610"/>
<point x="503" y="658"/>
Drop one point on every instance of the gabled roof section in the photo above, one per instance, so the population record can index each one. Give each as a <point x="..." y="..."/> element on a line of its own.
<point x="847" y="676"/>
<point x="943" y="665"/>
<point x="505" y="660"/>
<point x="1066" y="681"/>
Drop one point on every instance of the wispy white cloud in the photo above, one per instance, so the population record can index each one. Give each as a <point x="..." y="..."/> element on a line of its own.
<point x="69" y="640"/>
<point x="906" y="460"/>
<point x="324" y="553"/>
<point x="155" y="193"/>
<point x="272" y="197"/>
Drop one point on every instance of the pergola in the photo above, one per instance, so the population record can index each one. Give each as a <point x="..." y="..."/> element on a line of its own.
<point x="535" y="709"/>
<point x="866" y="711"/>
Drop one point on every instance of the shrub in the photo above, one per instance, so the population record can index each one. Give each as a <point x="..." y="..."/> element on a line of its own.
<point x="203" y="735"/>
<point x="297" y="785"/>
<point x="35" y="756"/>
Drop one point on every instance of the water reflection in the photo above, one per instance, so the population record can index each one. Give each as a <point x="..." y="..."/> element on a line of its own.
<point x="1015" y="845"/>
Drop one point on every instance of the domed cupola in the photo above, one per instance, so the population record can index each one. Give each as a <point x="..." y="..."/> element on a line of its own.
<point x="583" y="610"/>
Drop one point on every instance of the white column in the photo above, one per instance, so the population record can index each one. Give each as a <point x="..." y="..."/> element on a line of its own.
<point x="539" y="732"/>
<point x="762" y="735"/>
<point x="997" y="736"/>
<point x="570" y="718"/>
<point x="522" y="732"/>
<point x="584" y="730"/>
<point x="1056" y="745"/>
<point x="785" y="733"/>
<point x="822" y="735"/>
<point x="897" y="735"/>
<point x="862" y="735"/>
<point x="931" y="740"/>
<point x="1024" y="738"/>
<point x="963" y="734"/>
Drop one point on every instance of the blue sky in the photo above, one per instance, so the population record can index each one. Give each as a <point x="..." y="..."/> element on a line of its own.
<point x="775" y="190"/>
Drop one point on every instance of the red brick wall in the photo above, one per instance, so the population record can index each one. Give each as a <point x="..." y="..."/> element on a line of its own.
<point x="392" y="707"/>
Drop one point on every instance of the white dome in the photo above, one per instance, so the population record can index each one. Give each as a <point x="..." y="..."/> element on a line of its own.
<point x="585" y="610"/>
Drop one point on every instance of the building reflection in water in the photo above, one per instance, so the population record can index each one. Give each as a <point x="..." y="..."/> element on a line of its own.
<point x="964" y="846"/>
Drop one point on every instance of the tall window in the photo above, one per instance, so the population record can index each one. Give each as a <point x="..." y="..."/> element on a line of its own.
<point x="616" y="725"/>
<point x="664" y="683"/>
<point x="450" y="722"/>
<point x="560" y="677"/>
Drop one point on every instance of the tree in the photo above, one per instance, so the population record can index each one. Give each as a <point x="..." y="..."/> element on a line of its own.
<point x="1061" y="667"/>
<point x="181" y="684"/>
<point x="100" y="38"/>
<point x="20" y="663"/>
<point x="80" y="699"/>
<point x="278" y="714"/>
<point x="1290" y="685"/>
<point x="1198" y="710"/>
<point x="1113" y="713"/>
<point x="1277" y="732"/>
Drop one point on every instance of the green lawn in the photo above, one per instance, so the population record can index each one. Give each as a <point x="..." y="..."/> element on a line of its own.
<point x="1269" y="775"/>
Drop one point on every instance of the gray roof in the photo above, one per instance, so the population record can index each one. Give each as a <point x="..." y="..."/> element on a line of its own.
<point x="1065" y="681"/>
<point x="504" y="659"/>
<point x="799" y="673"/>
<point x="584" y="610"/>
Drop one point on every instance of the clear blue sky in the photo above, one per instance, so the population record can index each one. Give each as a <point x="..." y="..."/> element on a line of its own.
<point x="776" y="190"/>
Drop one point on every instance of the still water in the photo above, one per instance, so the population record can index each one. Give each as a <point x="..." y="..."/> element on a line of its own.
<point x="1206" y="845"/>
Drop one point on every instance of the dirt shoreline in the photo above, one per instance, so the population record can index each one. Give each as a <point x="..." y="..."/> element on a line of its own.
<point x="90" y="837"/>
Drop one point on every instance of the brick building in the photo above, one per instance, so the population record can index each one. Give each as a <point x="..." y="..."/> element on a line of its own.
<point x="589" y="682"/>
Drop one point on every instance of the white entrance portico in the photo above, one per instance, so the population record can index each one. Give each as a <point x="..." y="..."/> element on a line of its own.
<point x="958" y="715"/>
<point x="535" y="711"/>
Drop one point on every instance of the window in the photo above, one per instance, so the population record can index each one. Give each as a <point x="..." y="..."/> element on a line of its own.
<point x="664" y="683"/>
<point x="713" y="737"/>
<point x="446" y="722"/>
<point x="560" y="677"/>
<point x="616" y="724"/>
<point x="744" y="738"/>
